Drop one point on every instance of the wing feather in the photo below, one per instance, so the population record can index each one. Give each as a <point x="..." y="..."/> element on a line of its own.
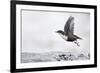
<point x="69" y="26"/>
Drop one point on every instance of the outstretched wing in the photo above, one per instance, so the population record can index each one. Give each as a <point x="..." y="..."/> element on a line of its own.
<point x="69" y="26"/>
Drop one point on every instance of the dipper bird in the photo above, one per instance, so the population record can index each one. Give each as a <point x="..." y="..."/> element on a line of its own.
<point x="68" y="33"/>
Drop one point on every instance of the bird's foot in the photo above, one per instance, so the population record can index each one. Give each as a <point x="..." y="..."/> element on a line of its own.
<point x="77" y="43"/>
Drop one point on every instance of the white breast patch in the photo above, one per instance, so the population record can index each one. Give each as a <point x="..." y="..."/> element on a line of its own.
<point x="63" y="36"/>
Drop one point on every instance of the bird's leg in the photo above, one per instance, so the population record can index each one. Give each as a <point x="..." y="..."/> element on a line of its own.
<point x="76" y="42"/>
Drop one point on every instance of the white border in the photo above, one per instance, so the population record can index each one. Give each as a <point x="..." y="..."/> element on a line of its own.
<point x="20" y="65"/>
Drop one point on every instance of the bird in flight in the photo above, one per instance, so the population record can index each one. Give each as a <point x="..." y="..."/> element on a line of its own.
<point x="68" y="33"/>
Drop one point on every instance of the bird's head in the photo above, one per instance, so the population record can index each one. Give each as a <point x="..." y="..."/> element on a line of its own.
<point x="60" y="32"/>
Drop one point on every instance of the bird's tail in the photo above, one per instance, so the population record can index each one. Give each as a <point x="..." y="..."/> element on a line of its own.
<point x="78" y="37"/>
